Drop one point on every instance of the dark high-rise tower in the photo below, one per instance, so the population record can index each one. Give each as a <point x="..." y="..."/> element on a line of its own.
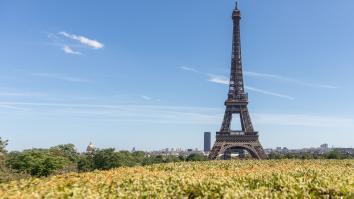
<point x="245" y="138"/>
<point x="207" y="141"/>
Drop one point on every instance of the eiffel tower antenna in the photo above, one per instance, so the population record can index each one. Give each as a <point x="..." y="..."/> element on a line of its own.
<point x="236" y="5"/>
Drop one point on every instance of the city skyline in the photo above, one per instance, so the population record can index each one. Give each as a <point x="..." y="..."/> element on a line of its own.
<point x="154" y="75"/>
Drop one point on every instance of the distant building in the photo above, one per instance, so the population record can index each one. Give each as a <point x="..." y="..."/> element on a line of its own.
<point x="324" y="146"/>
<point x="285" y="150"/>
<point x="207" y="141"/>
<point x="347" y="151"/>
<point x="90" y="148"/>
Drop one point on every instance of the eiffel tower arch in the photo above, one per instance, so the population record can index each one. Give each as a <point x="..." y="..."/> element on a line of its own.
<point x="236" y="104"/>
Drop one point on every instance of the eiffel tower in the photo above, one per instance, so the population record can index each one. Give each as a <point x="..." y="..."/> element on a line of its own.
<point x="245" y="139"/>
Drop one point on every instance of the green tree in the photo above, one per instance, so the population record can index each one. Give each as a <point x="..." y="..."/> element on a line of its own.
<point x="335" y="154"/>
<point x="65" y="150"/>
<point x="85" y="163"/>
<point x="138" y="156"/>
<point x="106" y="159"/>
<point x="196" y="157"/>
<point x="4" y="172"/>
<point x="36" y="162"/>
<point x="155" y="160"/>
<point x="3" y="145"/>
<point x="276" y="156"/>
<point x="126" y="159"/>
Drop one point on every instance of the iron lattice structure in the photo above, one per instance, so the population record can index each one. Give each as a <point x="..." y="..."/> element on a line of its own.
<point x="228" y="140"/>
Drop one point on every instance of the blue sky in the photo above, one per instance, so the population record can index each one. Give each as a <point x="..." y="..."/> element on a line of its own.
<point x="152" y="74"/>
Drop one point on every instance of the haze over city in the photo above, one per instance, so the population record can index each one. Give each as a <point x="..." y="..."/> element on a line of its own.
<point x="134" y="74"/>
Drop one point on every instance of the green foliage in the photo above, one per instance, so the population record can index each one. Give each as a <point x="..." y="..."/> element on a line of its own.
<point x="85" y="163"/>
<point x="138" y="157"/>
<point x="3" y="144"/>
<point x="36" y="162"/>
<point x="65" y="158"/>
<point x="66" y="150"/>
<point x="334" y="154"/>
<point x="7" y="174"/>
<point x="106" y="159"/>
<point x="152" y="160"/>
<point x="3" y="152"/>
<point x="160" y="159"/>
<point x="196" y="157"/>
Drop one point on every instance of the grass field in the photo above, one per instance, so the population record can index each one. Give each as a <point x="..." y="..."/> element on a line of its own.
<point x="227" y="179"/>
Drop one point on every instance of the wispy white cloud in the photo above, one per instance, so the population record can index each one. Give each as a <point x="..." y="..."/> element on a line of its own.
<point x="211" y="77"/>
<point x="269" y="93"/>
<point x="146" y="97"/>
<point x="150" y="99"/>
<point x="11" y="107"/>
<point x="83" y="40"/>
<point x="287" y="79"/>
<point x="174" y="114"/>
<point x="20" y="94"/>
<point x="223" y="80"/>
<point x="186" y="68"/>
<point x="60" y="77"/>
<point x="218" y="79"/>
<point x="69" y="50"/>
<point x="50" y="35"/>
<point x="125" y="113"/>
<point x="59" y="40"/>
<point x="303" y="120"/>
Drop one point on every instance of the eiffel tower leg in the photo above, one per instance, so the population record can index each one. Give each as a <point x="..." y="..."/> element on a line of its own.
<point x="246" y="120"/>
<point x="260" y="151"/>
<point x="215" y="151"/>
<point x="225" y="127"/>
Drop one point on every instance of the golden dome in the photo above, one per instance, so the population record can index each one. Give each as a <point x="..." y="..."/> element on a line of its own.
<point x="90" y="148"/>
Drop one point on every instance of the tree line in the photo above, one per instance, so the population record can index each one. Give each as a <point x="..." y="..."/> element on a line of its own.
<point x="65" y="158"/>
<point x="333" y="154"/>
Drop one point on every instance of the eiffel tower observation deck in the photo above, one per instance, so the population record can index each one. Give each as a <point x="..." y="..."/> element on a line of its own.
<point x="245" y="139"/>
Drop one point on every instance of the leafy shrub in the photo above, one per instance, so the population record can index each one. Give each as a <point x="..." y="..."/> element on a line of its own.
<point x="36" y="162"/>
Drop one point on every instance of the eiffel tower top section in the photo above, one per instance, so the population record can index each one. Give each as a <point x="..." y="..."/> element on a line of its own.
<point x="237" y="94"/>
<point x="236" y="11"/>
